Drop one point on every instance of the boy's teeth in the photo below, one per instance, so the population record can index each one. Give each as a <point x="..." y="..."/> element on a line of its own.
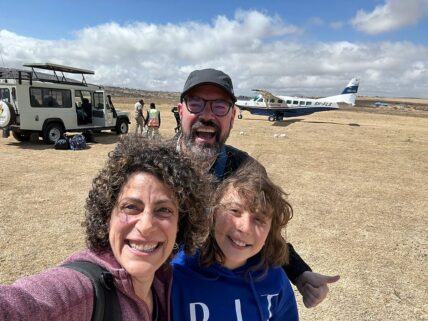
<point x="239" y="243"/>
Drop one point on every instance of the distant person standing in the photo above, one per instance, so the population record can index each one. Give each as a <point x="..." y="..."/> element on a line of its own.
<point x="174" y="110"/>
<point x="153" y="121"/>
<point x="139" y="118"/>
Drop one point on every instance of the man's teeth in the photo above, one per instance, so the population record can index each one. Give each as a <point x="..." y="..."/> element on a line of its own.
<point x="206" y="130"/>
<point x="144" y="247"/>
<point x="239" y="243"/>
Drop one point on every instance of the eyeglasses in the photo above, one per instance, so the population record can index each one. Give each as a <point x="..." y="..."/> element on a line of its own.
<point x="219" y="107"/>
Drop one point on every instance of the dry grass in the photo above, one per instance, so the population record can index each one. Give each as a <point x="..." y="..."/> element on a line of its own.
<point x="357" y="181"/>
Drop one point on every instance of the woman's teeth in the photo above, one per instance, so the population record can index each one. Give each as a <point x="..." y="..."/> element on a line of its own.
<point x="146" y="248"/>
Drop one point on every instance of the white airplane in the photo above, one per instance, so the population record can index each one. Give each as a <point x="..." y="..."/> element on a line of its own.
<point x="278" y="107"/>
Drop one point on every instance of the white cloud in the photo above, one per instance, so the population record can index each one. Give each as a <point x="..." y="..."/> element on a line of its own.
<point x="315" y="22"/>
<point x="394" y="14"/>
<point x="337" y="25"/>
<point x="251" y="47"/>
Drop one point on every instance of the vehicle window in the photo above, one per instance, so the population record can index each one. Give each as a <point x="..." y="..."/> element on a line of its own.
<point x="302" y="103"/>
<point x="36" y="97"/>
<point x="5" y="94"/>
<point x="50" y="97"/>
<point x="288" y="101"/>
<point x="98" y="101"/>
<point x="280" y="101"/>
<point x="308" y="103"/>
<point x="83" y="97"/>
<point x="295" y="102"/>
<point x="272" y="100"/>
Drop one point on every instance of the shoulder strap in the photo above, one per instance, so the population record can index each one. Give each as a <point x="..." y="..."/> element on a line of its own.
<point x="106" y="303"/>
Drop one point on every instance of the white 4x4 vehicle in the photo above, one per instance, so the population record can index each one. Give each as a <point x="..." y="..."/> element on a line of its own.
<point x="43" y="105"/>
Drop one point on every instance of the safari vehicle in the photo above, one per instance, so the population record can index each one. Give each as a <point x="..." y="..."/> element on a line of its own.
<point x="35" y="104"/>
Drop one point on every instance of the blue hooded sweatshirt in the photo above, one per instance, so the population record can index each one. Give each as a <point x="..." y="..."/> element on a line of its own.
<point x="216" y="293"/>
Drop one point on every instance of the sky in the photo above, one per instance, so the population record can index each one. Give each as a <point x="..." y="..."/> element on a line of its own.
<point x="305" y="47"/>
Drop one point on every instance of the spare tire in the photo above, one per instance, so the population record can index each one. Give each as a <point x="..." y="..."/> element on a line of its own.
<point x="7" y="114"/>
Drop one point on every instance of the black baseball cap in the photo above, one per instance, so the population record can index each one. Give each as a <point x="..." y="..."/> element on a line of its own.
<point x="208" y="77"/>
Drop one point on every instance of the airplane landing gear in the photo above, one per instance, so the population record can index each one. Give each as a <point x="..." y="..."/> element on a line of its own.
<point x="275" y="118"/>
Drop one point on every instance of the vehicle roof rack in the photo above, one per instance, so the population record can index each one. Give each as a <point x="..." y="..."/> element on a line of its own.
<point x="62" y="68"/>
<point x="59" y="68"/>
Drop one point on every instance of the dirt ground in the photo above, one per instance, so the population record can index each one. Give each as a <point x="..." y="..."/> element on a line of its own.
<point x="357" y="182"/>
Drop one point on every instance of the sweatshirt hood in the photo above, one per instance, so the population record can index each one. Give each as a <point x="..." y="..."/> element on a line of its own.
<point x="216" y="270"/>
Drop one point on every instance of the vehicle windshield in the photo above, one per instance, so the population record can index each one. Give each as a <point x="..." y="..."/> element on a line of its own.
<point x="5" y="94"/>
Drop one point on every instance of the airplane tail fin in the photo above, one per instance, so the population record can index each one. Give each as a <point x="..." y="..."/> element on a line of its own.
<point x="348" y="95"/>
<point x="352" y="87"/>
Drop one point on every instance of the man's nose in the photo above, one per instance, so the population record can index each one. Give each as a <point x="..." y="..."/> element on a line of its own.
<point x="207" y="113"/>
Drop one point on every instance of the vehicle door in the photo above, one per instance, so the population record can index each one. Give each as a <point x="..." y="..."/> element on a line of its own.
<point x="85" y="111"/>
<point x="102" y="104"/>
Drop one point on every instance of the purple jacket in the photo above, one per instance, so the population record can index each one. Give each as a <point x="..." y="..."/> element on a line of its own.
<point x="64" y="294"/>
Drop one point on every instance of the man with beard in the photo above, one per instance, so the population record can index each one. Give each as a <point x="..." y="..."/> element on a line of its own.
<point x="207" y="113"/>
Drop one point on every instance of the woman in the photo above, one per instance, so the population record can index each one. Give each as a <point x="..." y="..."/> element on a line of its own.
<point x="146" y="199"/>
<point x="237" y="275"/>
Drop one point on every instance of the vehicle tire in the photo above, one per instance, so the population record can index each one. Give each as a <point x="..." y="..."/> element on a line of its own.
<point x="52" y="133"/>
<point x="21" y="136"/>
<point x="271" y="118"/>
<point x="122" y="126"/>
<point x="7" y="114"/>
<point x="239" y="116"/>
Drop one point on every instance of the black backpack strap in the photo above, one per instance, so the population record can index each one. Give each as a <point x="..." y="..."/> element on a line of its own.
<point x="106" y="303"/>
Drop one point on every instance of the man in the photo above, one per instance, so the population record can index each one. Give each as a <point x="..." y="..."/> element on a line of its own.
<point x="207" y="113"/>
<point x="139" y="118"/>
<point x="153" y="121"/>
<point x="174" y="110"/>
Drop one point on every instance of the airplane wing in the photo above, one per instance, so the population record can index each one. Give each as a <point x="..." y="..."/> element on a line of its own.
<point x="267" y="95"/>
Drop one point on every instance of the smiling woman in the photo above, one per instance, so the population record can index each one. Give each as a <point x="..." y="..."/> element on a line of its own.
<point x="146" y="199"/>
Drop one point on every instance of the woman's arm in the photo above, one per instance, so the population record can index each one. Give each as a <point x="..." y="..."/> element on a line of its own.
<point x="56" y="294"/>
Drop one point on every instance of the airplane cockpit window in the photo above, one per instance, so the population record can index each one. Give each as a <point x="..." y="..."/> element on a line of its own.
<point x="254" y="98"/>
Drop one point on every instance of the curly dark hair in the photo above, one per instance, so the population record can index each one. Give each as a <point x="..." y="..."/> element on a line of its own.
<point x="262" y="197"/>
<point x="133" y="154"/>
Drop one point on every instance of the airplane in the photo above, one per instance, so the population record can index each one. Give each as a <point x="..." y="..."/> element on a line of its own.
<point x="279" y="107"/>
